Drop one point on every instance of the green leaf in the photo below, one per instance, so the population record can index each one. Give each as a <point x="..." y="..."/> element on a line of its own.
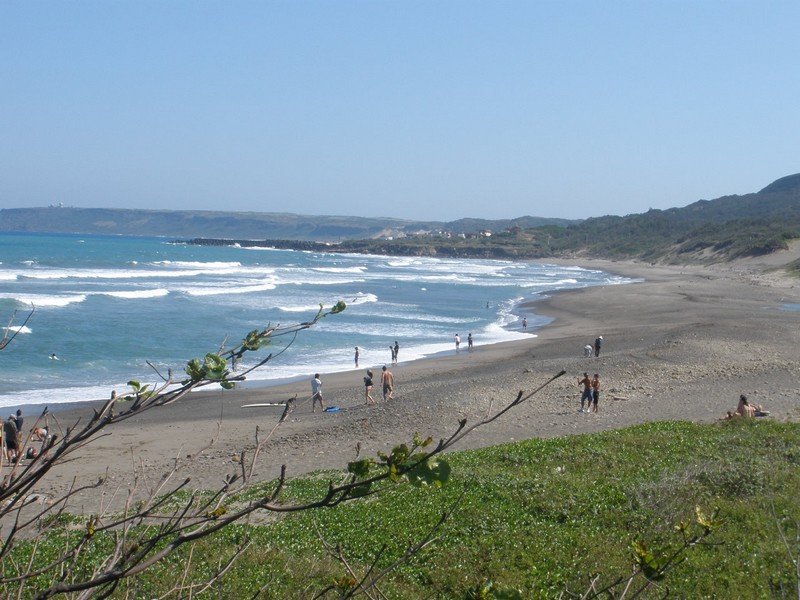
<point x="338" y="307"/>
<point x="432" y="471"/>
<point x="359" y="468"/>
<point x="195" y="370"/>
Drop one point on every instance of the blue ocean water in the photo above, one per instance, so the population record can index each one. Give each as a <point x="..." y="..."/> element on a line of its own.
<point x="106" y="305"/>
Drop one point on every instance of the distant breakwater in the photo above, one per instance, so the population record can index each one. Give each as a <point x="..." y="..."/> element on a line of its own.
<point x="433" y="248"/>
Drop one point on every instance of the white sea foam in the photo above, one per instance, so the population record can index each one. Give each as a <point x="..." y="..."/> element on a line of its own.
<point x="339" y="269"/>
<point x="361" y="298"/>
<point x="43" y="300"/>
<point x="18" y="329"/>
<point x="228" y="289"/>
<point x="190" y="264"/>
<point x="548" y="283"/>
<point x="298" y="309"/>
<point x="136" y="294"/>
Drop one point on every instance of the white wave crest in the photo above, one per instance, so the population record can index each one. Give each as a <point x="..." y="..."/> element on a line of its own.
<point x="297" y="309"/>
<point x="225" y="289"/>
<point x="340" y="269"/>
<point x="362" y="298"/>
<point x="136" y="294"/>
<point x="556" y="282"/>
<point x="18" y="328"/>
<point x="189" y="264"/>
<point x="41" y="300"/>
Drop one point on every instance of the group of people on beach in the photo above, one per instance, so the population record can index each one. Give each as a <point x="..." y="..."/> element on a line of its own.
<point x="387" y="385"/>
<point x="470" y="342"/>
<point x="393" y="352"/>
<point x="593" y="350"/>
<point x="591" y="392"/>
<point x="13" y="441"/>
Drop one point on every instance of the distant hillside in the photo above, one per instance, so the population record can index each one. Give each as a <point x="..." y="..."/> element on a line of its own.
<point x="706" y="231"/>
<point x="724" y="228"/>
<point x="246" y="225"/>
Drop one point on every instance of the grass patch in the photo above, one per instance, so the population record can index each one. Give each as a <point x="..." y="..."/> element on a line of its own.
<point x="539" y="517"/>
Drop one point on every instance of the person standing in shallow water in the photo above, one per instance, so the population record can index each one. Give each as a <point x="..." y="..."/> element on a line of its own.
<point x="524" y="323"/>
<point x="356" y="357"/>
<point x="469" y="342"/>
<point x="458" y="342"/>
<point x="396" y="351"/>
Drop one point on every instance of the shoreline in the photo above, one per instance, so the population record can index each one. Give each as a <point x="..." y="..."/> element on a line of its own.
<point x="682" y="344"/>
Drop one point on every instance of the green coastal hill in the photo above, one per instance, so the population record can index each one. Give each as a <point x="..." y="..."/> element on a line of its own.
<point x="725" y="228"/>
<point x="705" y="231"/>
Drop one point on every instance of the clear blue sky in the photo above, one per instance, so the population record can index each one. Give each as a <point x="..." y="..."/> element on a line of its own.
<point x="422" y="110"/>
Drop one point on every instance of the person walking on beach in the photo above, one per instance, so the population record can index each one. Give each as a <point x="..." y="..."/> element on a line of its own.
<point x="595" y="392"/>
<point x="368" y="388"/>
<point x="598" y="343"/>
<point x="387" y="383"/>
<point x="458" y="343"/>
<point x="524" y="323"/>
<point x="396" y="351"/>
<point x="391" y="352"/>
<point x="316" y="393"/>
<point x="469" y="342"/>
<point x="586" y="395"/>
<point x="356" y="357"/>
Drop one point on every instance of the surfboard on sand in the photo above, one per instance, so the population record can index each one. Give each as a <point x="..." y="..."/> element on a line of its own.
<point x="261" y="404"/>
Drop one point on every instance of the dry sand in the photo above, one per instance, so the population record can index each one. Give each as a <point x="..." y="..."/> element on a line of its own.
<point x="681" y="344"/>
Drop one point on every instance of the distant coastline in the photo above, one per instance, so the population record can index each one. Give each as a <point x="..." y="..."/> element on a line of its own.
<point x="432" y="247"/>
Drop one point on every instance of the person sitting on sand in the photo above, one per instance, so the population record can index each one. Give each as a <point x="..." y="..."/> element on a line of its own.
<point x="368" y="388"/>
<point x="745" y="409"/>
<point x="39" y="434"/>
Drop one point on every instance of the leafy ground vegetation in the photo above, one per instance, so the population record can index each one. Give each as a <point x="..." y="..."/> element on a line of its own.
<point x="533" y="519"/>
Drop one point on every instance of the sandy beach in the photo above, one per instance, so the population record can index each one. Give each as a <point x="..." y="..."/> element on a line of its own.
<point x="681" y="344"/>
